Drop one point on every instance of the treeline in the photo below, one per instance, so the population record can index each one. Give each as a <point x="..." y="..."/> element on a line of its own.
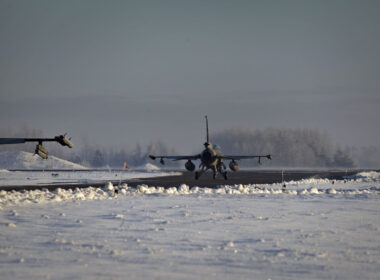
<point x="101" y="157"/>
<point x="302" y="148"/>
<point x="296" y="148"/>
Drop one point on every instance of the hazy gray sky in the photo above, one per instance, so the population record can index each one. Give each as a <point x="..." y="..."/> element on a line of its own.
<point x="120" y="72"/>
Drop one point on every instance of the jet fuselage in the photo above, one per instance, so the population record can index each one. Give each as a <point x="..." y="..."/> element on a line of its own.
<point x="210" y="156"/>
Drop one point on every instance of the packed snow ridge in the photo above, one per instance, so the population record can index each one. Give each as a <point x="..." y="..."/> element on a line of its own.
<point x="148" y="167"/>
<point x="25" y="160"/>
<point x="367" y="183"/>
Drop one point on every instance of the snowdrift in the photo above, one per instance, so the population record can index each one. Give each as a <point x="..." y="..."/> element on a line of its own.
<point x="148" y="167"/>
<point x="367" y="183"/>
<point x="314" y="229"/>
<point x="370" y="176"/>
<point x="25" y="160"/>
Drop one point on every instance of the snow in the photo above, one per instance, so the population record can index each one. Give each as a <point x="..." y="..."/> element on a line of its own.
<point x="25" y="160"/>
<point x="313" y="229"/>
<point x="57" y="173"/>
<point x="370" y="176"/>
<point x="41" y="178"/>
<point x="148" y="167"/>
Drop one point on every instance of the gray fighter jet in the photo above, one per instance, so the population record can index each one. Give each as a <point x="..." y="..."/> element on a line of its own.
<point x="211" y="158"/>
<point x="40" y="150"/>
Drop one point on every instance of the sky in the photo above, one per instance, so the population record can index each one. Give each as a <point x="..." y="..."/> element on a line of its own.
<point x="114" y="73"/>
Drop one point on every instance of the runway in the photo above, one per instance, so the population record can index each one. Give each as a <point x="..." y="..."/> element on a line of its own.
<point x="244" y="177"/>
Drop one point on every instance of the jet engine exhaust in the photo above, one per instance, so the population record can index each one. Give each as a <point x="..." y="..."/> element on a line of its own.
<point x="234" y="166"/>
<point x="189" y="165"/>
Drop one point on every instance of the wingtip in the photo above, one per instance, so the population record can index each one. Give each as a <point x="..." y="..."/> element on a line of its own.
<point x="152" y="157"/>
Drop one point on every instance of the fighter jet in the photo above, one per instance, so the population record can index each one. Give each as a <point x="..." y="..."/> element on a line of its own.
<point x="211" y="158"/>
<point x="40" y="150"/>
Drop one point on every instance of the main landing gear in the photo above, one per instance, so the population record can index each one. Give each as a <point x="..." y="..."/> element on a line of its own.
<point x="202" y="169"/>
<point x="216" y="170"/>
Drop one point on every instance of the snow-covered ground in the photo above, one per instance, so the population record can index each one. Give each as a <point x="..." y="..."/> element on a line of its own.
<point x="31" y="177"/>
<point x="312" y="230"/>
<point x="41" y="178"/>
<point x="25" y="160"/>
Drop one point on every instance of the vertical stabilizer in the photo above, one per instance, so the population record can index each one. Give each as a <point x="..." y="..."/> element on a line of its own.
<point x="208" y="140"/>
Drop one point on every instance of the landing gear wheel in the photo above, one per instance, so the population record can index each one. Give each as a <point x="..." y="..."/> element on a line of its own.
<point x="196" y="175"/>
<point x="214" y="176"/>
<point x="225" y="175"/>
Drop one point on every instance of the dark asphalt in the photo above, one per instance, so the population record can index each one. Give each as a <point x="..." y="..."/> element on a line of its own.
<point x="240" y="177"/>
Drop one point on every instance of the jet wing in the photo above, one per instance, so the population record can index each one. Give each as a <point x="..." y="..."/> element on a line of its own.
<point x="12" y="140"/>
<point x="174" y="158"/>
<point x="61" y="139"/>
<point x="243" y="157"/>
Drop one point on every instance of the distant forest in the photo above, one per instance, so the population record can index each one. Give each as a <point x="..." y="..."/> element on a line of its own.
<point x="290" y="148"/>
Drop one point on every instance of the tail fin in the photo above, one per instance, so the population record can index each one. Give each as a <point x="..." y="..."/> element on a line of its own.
<point x="208" y="140"/>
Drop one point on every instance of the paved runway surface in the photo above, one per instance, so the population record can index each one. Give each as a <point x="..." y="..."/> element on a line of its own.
<point x="206" y="180"/>
<point x="240" y="177"/>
